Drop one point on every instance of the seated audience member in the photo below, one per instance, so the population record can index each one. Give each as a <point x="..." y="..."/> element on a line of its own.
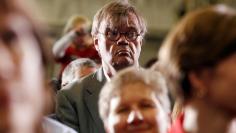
<point x="76" y="43"/>
<point x="135" y="101"/>
<point x="199" y="56"/>
<point x="24" y="96"/>
<point x="77" y="70"/>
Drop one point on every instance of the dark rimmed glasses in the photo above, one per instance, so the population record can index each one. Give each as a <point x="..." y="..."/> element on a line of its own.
<point x="115" y="35"/>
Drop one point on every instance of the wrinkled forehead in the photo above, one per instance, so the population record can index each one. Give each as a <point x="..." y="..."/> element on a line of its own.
<point x="121" y="22"/>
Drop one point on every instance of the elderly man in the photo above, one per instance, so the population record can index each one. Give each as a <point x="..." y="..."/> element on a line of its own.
<point x="117" y="31"/>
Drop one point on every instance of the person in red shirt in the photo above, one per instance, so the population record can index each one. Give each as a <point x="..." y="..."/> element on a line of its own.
<point x="199" y="59"/>
<point x="76" y="43"/>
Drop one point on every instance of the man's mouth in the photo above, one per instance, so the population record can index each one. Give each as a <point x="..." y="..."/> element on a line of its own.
<point x="123" y="53"/>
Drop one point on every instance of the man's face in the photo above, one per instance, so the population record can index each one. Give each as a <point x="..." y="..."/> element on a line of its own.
<point x="21" y="86"/>
<point x="119" y="42"/>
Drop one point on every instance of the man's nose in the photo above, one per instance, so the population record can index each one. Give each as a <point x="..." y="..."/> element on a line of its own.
<point x="122" y="40"/>
<point x="135" y="117"/>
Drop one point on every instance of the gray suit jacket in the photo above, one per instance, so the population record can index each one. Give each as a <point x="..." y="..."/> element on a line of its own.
<point x="77" y="106"/>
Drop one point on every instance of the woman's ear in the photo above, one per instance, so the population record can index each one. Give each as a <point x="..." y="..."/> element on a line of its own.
<point x="200" y="81"/>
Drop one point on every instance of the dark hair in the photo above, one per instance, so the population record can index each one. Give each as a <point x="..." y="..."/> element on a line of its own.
<point x="201" y="40"/>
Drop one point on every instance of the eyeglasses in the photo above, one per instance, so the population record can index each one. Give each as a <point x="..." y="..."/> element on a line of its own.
<point x="115" y="35"/>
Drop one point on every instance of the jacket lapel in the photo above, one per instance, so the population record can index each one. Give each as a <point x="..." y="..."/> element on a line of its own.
<point x="93" y="88"/>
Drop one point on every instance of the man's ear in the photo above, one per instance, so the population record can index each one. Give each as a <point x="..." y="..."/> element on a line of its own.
<point x="200" y="81"/>
<point x="141" y="41"/>
<point x="95" y="42"/>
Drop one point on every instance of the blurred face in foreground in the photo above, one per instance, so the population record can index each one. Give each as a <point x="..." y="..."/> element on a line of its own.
<point x="135" y="109"/>
<point x="220" y="84"/>
<point x="21" y="79"/>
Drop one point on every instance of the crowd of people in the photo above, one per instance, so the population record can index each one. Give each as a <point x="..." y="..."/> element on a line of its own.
<point x="101" y="88"/>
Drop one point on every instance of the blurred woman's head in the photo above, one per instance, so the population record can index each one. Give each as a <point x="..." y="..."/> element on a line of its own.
<point x="199" y="57"/>
<point x="77" y="22"/>
<point x="133" y="101"/>
<point x="81" y="26"/>
<point x="22" y="65"/>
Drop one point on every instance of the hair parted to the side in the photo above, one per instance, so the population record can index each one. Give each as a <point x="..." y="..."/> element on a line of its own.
<point x="202" y="39"/>
<point x="133" y="75"/>
<point x="114" y="10"/>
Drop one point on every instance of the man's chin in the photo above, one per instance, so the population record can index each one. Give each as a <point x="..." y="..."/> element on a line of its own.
<point x="121" y="65"/>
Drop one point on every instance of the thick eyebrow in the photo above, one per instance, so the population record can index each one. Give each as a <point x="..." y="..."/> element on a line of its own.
<point x="133" y="29"/>
<point x="111" y="29"/>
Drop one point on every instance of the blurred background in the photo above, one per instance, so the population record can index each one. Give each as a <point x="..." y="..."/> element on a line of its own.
<point x="160" y="15"/>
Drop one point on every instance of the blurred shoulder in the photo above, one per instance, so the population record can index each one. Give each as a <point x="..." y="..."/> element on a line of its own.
<point x="53" y="126"/>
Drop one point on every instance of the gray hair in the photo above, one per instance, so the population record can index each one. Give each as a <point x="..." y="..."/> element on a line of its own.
<point x="129" y="76"/>
<point x="114" y="10"/>
<point x="69" y="73"/>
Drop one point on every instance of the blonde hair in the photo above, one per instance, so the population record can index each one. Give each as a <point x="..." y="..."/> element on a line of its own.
<point x="76" y="20"/>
